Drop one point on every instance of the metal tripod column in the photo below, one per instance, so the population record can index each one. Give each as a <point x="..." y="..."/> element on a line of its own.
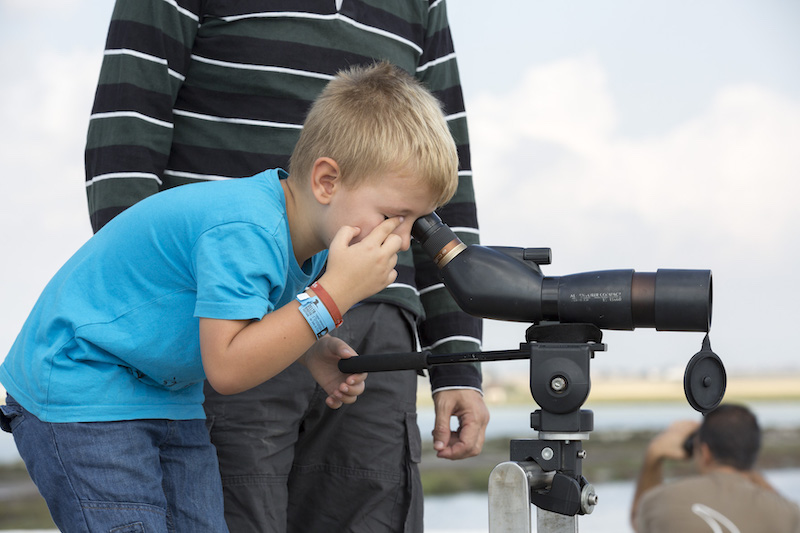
<point x="550" y="522"/>
<point x="510" y="486"/>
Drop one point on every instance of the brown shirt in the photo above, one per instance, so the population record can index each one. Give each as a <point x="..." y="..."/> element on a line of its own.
<point x="720" y="501"/>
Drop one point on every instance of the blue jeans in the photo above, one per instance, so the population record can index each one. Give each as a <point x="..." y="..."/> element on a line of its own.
<point x="121" y="477"/>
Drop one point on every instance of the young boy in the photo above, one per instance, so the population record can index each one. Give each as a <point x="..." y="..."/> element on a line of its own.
<point x="208" y="281"/>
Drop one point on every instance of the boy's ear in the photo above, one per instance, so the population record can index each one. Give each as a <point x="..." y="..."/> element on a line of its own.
<point x="325" y="179"/>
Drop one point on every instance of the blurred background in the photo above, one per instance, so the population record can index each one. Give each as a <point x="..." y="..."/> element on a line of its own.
<point x="621" y="134"/>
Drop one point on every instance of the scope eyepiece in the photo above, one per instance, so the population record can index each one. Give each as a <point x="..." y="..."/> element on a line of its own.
<point x="437" y="239"/>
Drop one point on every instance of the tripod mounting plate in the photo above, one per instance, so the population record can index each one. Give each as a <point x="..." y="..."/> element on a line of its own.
<point x="548" y="435"/>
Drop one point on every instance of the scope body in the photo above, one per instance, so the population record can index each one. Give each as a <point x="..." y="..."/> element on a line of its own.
<point x="497" y="284"/>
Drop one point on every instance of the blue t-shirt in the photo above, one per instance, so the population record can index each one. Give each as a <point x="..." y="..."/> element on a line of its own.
<point x="115" y="334"/>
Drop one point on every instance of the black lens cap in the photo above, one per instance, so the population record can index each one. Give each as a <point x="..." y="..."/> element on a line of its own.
<point x="705" y="379"/>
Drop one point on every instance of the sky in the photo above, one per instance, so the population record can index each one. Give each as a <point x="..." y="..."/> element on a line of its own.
<point x="621" y="134"/>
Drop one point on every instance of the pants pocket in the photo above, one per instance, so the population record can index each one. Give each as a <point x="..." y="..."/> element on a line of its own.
<point x="11" y="414"/>
<point x="414" y="438"/>
<point x="414" y="516"/>
<point x="136" y="527"/>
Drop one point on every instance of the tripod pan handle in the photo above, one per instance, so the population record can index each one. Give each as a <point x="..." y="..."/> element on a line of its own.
<point x="385" y="362"/>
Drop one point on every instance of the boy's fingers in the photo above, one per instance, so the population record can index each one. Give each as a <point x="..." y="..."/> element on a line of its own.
<point x="393" y="241"/>
<point x="344" y="236"/>
<point x="343" y="350"/>
<point x="332" y="402"/>
<point x="354" y="379"/>
<point x="352" y="390"/>
<point x="384" y="229"/>
<point x="348" y="399"/>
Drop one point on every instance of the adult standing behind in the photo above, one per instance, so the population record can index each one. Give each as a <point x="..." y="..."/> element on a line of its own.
<point x="727" y="495"/>
<point x="196" y="90"/>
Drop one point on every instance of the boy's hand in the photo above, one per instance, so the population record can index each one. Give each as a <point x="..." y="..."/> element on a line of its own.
<point x="322" y="360"/>
<point x="357" y="271"/>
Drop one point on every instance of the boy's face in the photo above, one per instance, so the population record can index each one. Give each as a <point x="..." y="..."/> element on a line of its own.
<point x="393" y="194"/>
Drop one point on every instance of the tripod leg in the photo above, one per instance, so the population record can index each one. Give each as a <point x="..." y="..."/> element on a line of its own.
<point x="509" y="499"/>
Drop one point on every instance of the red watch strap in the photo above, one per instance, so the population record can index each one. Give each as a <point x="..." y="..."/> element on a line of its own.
<point x="329" y="303"/>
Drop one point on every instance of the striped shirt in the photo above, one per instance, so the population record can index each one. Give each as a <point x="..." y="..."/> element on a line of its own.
<point x="197" y="90"/>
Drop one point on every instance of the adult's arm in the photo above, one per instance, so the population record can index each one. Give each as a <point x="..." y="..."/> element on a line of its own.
<point x="666" y="445"/>
<point x="447" y="329"/>
<point x="146" y="57"/>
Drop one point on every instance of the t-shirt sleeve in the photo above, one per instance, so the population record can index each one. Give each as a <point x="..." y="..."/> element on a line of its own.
<point x="239" y="267"/>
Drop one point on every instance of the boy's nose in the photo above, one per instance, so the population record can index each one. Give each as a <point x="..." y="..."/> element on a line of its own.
<point x="405" y="235"/>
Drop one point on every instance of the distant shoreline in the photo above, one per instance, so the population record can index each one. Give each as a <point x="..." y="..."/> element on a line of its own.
<point x="739" y="388"/>
<point x="640" y="389"/>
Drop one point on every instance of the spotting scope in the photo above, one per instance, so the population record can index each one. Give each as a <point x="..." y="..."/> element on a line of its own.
<point x="506" y="283"/>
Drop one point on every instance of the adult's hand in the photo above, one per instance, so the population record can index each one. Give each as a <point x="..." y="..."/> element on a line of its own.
<point x="473" y="417"/>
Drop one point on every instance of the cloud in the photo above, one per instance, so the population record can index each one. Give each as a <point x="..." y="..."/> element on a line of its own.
<point x="565" y="102"/>
<point x="549" y="162"/>
<point x="740" y="161"/>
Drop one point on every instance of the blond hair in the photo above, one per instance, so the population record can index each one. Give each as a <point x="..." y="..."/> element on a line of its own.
<point x="377" y="119"/>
